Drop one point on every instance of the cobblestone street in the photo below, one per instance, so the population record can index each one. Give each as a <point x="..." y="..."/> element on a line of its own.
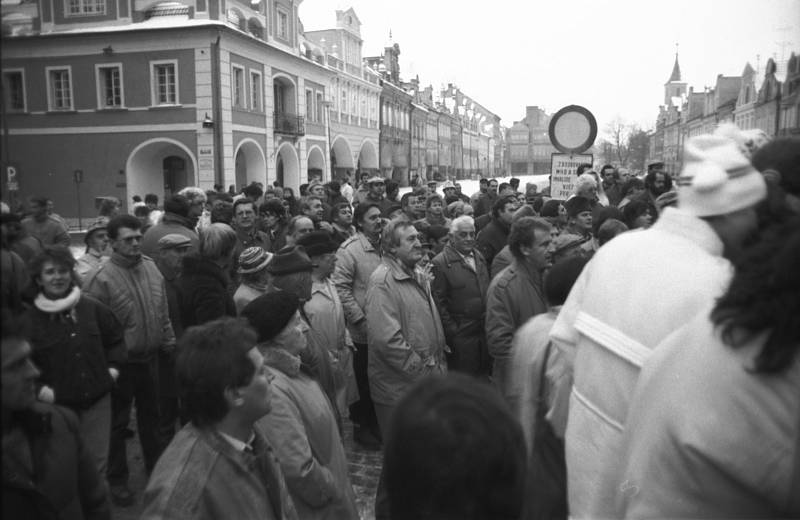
<point x="365" y="468"/>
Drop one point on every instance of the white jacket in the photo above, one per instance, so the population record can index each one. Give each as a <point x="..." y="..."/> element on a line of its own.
<point x="636" y="290"/>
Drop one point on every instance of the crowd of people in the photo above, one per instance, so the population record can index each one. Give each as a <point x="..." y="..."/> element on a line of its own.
<point x="628" y="352"/>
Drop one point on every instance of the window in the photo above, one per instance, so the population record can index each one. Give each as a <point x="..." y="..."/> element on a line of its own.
<point x="238" y="93"/>
<point x="109" y="86"/>
<point x="86" y="7"/>
<point x="14" y="89"/>
<point x="309" y="105"/>
<point x="283" y="24"/>
<point x="319" y="107"/>
<point x="165" y="82"/>
<point x="344" y="101"/>
<point x="59" y="88"/>
<point x="255" y="91"/>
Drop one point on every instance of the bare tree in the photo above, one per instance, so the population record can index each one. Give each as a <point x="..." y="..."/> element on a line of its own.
<point x="625" y="144"/>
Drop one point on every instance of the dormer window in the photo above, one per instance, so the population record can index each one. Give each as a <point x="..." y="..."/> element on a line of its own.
<point x="283" y="24"/>
<point x="86" y="7"/>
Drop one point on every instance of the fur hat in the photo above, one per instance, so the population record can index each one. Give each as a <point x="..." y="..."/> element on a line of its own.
<point x="270" y="313"/>
<point x="318" y="243"/>
<point x="577" y="205"/>
<point x="252" y="260"/>
<point x="290" y="259"/>
<point x="717" y="178"/>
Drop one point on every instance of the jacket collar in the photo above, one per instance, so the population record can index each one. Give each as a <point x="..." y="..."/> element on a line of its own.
<point x="530" y="271"/>
<point x="693" y="228"/>
<point x="399" y="272"/>
<point x="451" y="255"/>
<point x="282" y="360"/>
<point x="174" y="218"/>
<point x="365" y="243"/>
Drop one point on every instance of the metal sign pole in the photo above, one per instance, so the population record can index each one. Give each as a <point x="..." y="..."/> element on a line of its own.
<point x="78" y="177"/>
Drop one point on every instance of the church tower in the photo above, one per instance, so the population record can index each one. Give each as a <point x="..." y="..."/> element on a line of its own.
<point x="674" y="87"/>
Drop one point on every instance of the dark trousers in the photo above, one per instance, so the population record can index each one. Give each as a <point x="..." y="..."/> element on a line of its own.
<point x="382" y="512"/>
<point x="137" y="382"/>
<point x="362" y="412"/>
<point x="168" y="397"/>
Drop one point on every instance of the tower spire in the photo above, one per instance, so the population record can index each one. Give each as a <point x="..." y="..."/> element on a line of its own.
<point x="676" y="69"/>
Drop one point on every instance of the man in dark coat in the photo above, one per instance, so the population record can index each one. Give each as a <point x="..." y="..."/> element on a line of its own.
<point x="494" y="235"/>
<point x="175" y="220"/>
<point x="48" y="472"/>
<point x="461" y="279"/>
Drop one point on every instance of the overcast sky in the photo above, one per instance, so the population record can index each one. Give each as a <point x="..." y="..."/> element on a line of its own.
<point x="613" y="57"/>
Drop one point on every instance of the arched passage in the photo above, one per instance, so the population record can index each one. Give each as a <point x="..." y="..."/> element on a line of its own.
<point x="368" y="157"/>
<point x="316" y="163"/>
<point x="161" y="166"/>
<point x="250" y="163"/>
<point x="341" y="158"/>
<point x="287" y="166"/>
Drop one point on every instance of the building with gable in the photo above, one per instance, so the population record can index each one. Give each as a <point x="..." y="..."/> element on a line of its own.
<point x="772" y="107"/>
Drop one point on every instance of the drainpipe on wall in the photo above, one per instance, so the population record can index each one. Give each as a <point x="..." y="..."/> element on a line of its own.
<point x="216" y="108"/>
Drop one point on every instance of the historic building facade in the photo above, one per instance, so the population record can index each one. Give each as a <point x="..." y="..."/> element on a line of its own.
<point x="157" y="97"/>
<point x="773" y="106"/>
<point x="354" y="97"/>
<point x="529" y="148"/>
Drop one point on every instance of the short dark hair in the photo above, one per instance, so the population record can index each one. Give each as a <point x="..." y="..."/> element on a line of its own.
<point x="633" y="210"/>
<point x="59" y="255"/>
<point x="650" y="179"/>
<point x="583" y="167"/>
<point x="38" y="200"/>
<point x="252" y="191"/>
<point x="211" y="358"/>
<point x="483" y="180"/>
<point x="141" y="211"/>
<point x="522" y="233"/>
<point x="177" y="204"/>
<point x="392" y="186"/>
<point x="631" y="184"/>
<point x="361" y="210"/>
<point x="607" y="166"/>
<point x="274" y="206"/>
<point x="404" y="199"/>
<point x="500" y="204"/>
<point x="454" y="451"/>
<point x="561" y="277"/>
<point x="336" y="208"/>
<point x="433" y="198"/>
<point x="241" y="202"/>
<point x="782" y="155"/>
<point x="151" y="197"/>
<point x="121" y="221"/>
<point x="503" y="185"/>
<point x="222" y="212"/>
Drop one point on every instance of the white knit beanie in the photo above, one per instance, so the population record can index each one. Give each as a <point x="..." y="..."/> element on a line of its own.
<point x="717" y="178"/>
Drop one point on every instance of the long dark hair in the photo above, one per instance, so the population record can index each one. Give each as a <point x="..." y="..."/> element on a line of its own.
<point x="764" y="295"/>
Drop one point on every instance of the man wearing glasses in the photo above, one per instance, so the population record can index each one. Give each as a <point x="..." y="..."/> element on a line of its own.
<point x="132" y="286"/>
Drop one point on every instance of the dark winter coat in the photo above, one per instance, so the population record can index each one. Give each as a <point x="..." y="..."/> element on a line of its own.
<point x="170" y="223"/>
<point x="492" y="238"/>
<point x="74" y="355"/>
<point x="460" y="296"/>
<point x="65" y="483"/>
<point x="203" y="292"/>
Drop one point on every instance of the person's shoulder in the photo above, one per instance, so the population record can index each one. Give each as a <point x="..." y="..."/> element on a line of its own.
<point x="504" y="278"/>
<point x="349" y="241"/>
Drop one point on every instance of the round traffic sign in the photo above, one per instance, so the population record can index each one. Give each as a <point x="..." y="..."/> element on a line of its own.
<point x="573" y="129"/>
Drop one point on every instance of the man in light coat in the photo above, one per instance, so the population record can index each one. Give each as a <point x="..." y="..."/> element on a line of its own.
<point x="405" y="334"/>
<point x="614" y="317"/>
<point x="132" y="286"/>
<point x="356" y="259"/>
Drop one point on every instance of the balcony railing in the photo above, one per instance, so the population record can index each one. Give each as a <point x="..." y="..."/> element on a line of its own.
<point x="289" y="124"/>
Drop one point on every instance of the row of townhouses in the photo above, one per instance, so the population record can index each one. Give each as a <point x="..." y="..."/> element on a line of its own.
<point x="770" y="104"/>
<point x="128" y="97"/>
